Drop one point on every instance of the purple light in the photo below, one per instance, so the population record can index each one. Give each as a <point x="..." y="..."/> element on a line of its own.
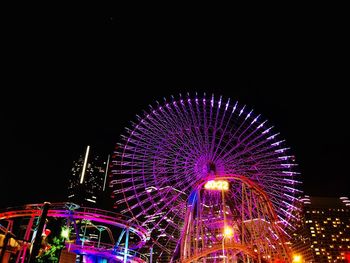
<point x="292" y="181"/>
<point x="277" y="143"/>
<point x="273" y="136"/>
<point x="292" y="189"/>
<point x="268" y="130"/>
<point x="249" y="114"/>
<point x="282" y="150"/>
<point x="227" y="104"/>
<point x="173" y="149"/>
<point x="257" y="117"/>
<point x="219" y="103"/>
<point x="262" y="124"/>
<point x="241" y="111"/>
<point x="234" y="108"/>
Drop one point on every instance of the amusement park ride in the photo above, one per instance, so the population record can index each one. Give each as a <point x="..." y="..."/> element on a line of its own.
<point x="194" y="180"/>
<point x="210" y="179"/>
<point x="79" y="228"/>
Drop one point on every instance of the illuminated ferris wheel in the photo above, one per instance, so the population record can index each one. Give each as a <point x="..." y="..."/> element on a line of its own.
<point x="173" y="156"/>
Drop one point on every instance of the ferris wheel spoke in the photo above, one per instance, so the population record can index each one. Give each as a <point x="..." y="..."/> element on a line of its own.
<point x="221" y="138"/>
<point x="235" y="147"/>
<point x="214" y="127"/>
<point x="171" y="201"/>
<point x="205" y="123"/>
<point x="197" y="123"/>
<point x="174" y="213"/>
<point x="251" y="150"/>
<point x="191" y="136"/>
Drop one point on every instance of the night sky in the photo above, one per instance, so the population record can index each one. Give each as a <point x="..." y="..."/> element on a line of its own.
<point x="80" y="78"/>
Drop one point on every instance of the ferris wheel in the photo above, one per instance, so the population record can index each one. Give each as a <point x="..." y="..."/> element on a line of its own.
<point x="177" y="145"/>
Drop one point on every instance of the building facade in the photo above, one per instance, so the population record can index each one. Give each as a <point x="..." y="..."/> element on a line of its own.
<point x="88" y="184"/>
<point x="323" y="229"/>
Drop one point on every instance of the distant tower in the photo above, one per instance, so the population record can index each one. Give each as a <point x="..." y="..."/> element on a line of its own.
<point x="87" y="183"/>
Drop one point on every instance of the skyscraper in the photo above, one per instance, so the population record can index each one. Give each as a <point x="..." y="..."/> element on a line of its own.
<point x="88" y="181"/>
<point x="323" y="229"/>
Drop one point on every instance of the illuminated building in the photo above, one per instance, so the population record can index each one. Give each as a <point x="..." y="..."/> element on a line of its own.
<point x="87" y="184"/>
<point x="323" y="229"/>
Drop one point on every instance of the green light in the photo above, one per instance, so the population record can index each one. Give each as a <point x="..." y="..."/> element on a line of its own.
<point x="65" y="233"/>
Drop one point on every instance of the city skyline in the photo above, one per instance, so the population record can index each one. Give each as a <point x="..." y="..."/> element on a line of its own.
<point x="46" y="163"/>
<point x="92" y="76"/>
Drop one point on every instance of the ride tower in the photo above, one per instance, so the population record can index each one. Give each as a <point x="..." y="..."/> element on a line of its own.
<point x="229" y="218"/>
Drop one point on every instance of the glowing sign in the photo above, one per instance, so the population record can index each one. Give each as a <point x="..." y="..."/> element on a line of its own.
<point x="220" y="185"/>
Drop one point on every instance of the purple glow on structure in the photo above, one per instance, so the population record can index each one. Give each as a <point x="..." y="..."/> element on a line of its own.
<point x="219" y="103"/>
<point x="290" y="173"/>
<point x="273" y="136"/>
<point x="249" y="114"/>
<point x="227" y="104"/>
<point x="277" y="143"/>
<point x="282" y="150"/>
<point x="292" y="189"/>
<point x="241" y="111"/>
<point x="285" y="222"/>
<point x="234" y="108"/>
<point x="292" y="206"/>
<point x="268" y="130"/>
<point x="262" y="124"/>
<point x="292" y="181"/>
<point x="256" y="118"/>
<point x="175" y="147"/>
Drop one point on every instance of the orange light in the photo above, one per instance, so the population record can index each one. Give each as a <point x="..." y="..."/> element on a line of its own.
<point x="228" y="231"/>
<point x="297" y="259"/>
<point x="220" y="185"/>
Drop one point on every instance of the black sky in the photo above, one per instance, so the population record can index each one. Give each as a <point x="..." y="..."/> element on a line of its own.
<point x="80" y="78"/>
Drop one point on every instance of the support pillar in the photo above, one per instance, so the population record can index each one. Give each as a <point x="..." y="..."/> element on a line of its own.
<point x="126" y="247"/>
<point x="4" y="246"/>
<point x="38" y="237"/>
